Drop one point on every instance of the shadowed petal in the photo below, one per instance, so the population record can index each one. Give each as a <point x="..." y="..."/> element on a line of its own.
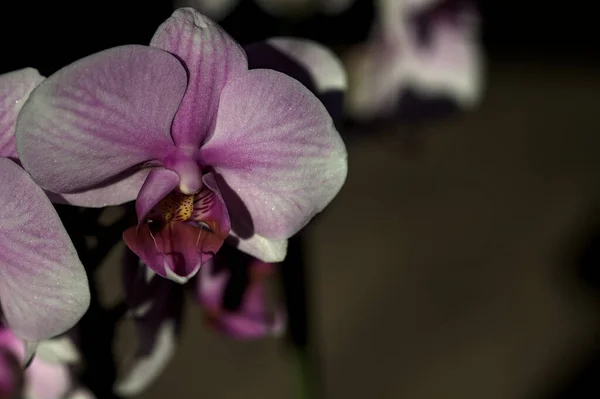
<point x="174" y="251"/>
<point x="14" y="91"/>
<point x="43" y="285"/>
<point x="11" y="354"/>
<point x="157" y="328"/>
<point x="122" y="190"/>
<point x="211" y="58"/>
<point x="275" y="143"/>
<point x="158" y="184"/>
<point x="254" y="319"/>
<point x="100" y="116"/>
<point x="312" y="64"/>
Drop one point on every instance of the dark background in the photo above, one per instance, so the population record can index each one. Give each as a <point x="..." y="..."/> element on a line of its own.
<point x="501" y="299"/>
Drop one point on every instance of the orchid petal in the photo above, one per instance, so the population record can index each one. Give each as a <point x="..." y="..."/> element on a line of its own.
<point x="122" y="190"/>
<point x="176" y="251"/>
<point x="15" y="88"/>
<point x="157" y="330"/>
<point x="210" y="208"/>
<point x="149" y="366"/>
<point x="11" y="352"/>
<point x="261" y="248"/>
<point x="312" y="64"/>
<point x="43" y="285"/>
<point x="276" y="144"/>
<point x="211" y="58"/>
<point x="100" y="116"/>
<point x="58" y="350"/>
<point x="81" y="393"/>
<point x="158" y="184"/>
<point x="46" y="380"/>
<point x="214" y="9"/>
<point x="253" y="319"/>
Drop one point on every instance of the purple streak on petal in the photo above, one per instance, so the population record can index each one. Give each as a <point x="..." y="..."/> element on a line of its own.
<point x="253" y="319"/>
<point x="312" y="64"/>
<point x="174" y="251"/>
<point x="211" y="58"/>
<point x="157" y="328"/>
<point x="158" y="184"/>
<point x="43" y="285"/>
<point x="124" y="189"/>
<point x="276" y="145"/>
<point x="15" y="88"/>
<point x="100" y="116"/>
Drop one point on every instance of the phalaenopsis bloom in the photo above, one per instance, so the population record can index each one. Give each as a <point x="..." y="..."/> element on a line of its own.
<point x="209" y="149"/>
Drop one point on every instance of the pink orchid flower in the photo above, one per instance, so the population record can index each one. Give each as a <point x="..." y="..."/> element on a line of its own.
<point x="43" y="285"/>
<point x="208" y="148"/>
<point x="255" y="316"/>
<point x="155" y="304"/>
<point x="427" y="48"/>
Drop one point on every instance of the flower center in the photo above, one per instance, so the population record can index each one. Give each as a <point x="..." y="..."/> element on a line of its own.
<point x="176" y="207"/>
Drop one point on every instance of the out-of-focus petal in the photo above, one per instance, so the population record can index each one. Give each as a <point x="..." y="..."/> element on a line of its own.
<point x="100" y="116"/>
<point x="276" y="144"/>
<point x="158" y="184"/>
<point x="312" y="64"/>
<point x="211" y="58"/>
<point x="15" y="88"/>
<point x="46" y="380"/>
<point x="157" y="328"/>
<point x="43" y="285"/>
<point x="451" y="65"/>
<point x="80" y="393"/>
<point x="122" y="190"/>
<point x="58" y="350"/>
<point x="11" y="353"/>
<point x="214" y="9"/>
<point x="254" y="319"/>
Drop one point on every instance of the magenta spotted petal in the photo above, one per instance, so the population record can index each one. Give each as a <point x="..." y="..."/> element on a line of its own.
<point x="43" y="285"/>
<point x="15" y="88"/>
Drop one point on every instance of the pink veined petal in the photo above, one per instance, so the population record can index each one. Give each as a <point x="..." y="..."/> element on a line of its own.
<point x="276" y="145"/>
<point x="122" y="190"/>
<point x="43" y="285"/>
<point x="100" y="116"/>
<point x="15" y="88"/>
<point x="157" y="185"/>
<point x="211" y="57"/>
